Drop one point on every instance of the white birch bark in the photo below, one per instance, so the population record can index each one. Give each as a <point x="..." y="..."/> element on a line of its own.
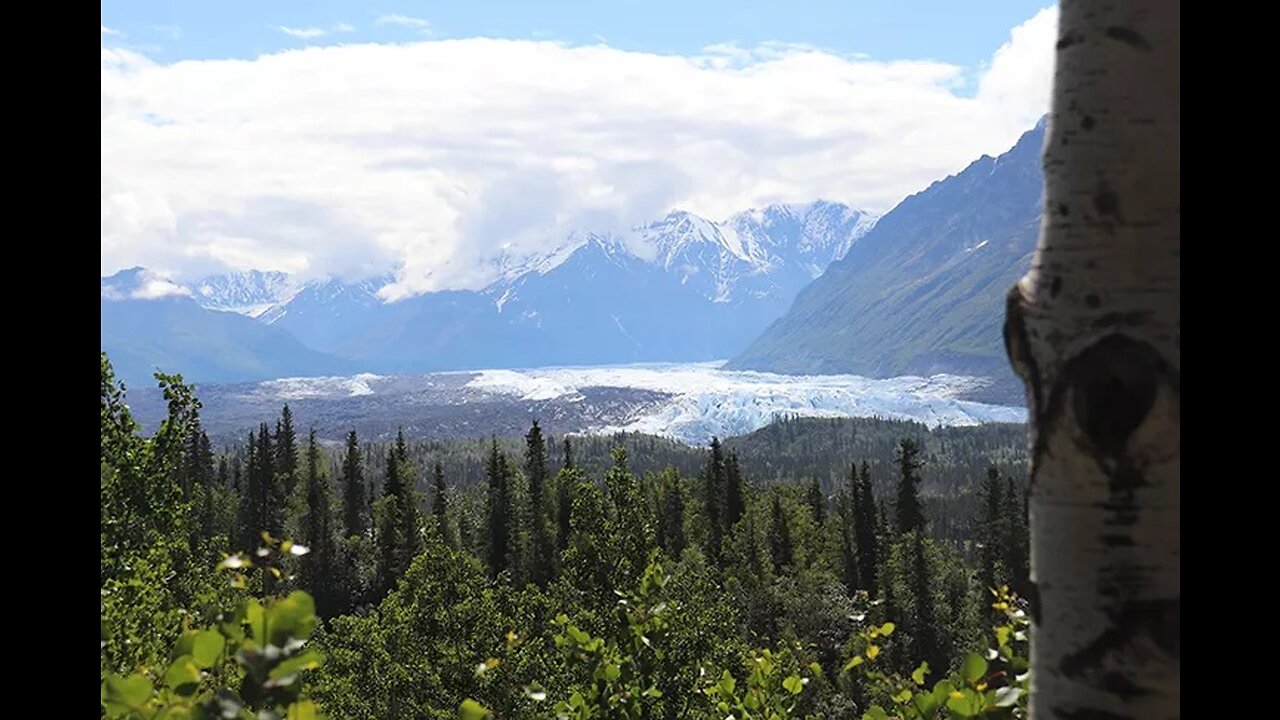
<point x="1094" y="331"/>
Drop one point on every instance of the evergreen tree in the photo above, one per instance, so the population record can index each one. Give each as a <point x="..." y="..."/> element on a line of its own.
<point x="781" y="548"/>
<point x="319" y="566"/>
<point x="568" y="478"/>
<point x="589" y="558"/>
<point x="568" y="453"/>
<point x="408" y="517"/>
<point x="286" y="463"/>
<point x="355" y="518"/>
<point x="224" y="481"/>
<point x="399" y="536"/>
<point x="989" y="532"/>
<point x="631" y="529"/>
<point x="734" y="498"/>
<point x="910" y="513"/>
<point x="925" y="645"/>
<point x="439" y="500"/>
<point x="535" y="469"/>
<point x="849" y="505"/>
<point x="499" y="473"/>
<point x="867" y="531"/>
<point x="671" y="522"/>
<point x="816" y="502"/>
<point x="1015" y="542"/>
<point x="714" y="485"/>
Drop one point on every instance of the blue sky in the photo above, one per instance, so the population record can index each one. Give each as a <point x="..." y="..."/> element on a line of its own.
<point x="326" y="138"/>
<point x="956" y="32"/>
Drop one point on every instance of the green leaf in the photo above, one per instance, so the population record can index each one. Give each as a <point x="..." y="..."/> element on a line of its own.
<point x="206" y="648"/>
<point x="926" y="703"/>
<point x="875" y="712"/>
<point x="121" y="694"/>
<point x="472" y="710"/>
<point x="964" y="704"/>
<point x="256" y="616"/>
<point x="903" y="697"/>
<point x="303" y="710"/>
<point x="872" y="651"/>
<point x="887" y="628"/>
<point x="853" y="663"/>
<point x="793" y="684"/>
<point x="1007" y="696"/>
<point x="917" y="676"/>
<point x="727" y="683"/>
<point x="182" y="676"/>
<point x="309" y="660"/>
<point x="974" y="667"/>
<point x="612" y="672"/>
<point x="291" y="618"/>
<point x="1002" y="635"/>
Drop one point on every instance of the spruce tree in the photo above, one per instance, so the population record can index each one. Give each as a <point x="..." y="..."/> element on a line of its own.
<point x="925" y="644"/>
<point x="568" y="453"/>
<point x="535" y="470"/>
<point x="408" y="519"/>
<point x="714" y="486"/>
<point x="910" y="514"/>
<point x="286" y="463"/>
<point x="439" y="499"/>
<point x="990" y="533"/>
<point x="319" y="566"/>
<point x="781" y="548"/>
<point x="734" y="497"/>
<point x="629" y="519"/>
<point x="867" y="531"/>
<point x="499" y="510"/>
<point x="568" y="477"/>
<point x="849" y="507"/>
<point x="355" y="517"/>
<point x="1016" y="539"/>
<point x="816" y="502"/>
<point x="671" y="522"/>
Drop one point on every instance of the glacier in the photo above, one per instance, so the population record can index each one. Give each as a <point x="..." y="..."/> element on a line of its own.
<point x="706" y="400"/>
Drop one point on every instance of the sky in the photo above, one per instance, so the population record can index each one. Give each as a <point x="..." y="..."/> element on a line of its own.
<point x="354" y="139"/>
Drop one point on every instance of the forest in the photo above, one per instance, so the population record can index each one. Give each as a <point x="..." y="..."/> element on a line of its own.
<point x="818" y="568"/>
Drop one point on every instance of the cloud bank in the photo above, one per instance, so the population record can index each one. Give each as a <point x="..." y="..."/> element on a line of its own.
<point x="432" y="158"/>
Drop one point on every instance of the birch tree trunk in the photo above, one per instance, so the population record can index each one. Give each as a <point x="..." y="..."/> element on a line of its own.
<point x="1094" y="331"/>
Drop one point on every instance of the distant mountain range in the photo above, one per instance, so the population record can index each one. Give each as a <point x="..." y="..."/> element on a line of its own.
<point x="923" y="292"/>
<point x="819" y="288"/>
<point x="680" y="288"/>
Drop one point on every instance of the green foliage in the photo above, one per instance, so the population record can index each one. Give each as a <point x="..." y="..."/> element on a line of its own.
<point x="993" y="684"/>
<point x="639" y="579"/>
<point x="249" y="664"/>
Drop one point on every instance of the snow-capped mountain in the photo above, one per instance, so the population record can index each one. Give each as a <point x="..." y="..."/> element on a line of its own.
<point x="323" y="312"/>
<point x="150" y="323"/>
<point x="251" y="292"/>
<point x="681" y="288"/>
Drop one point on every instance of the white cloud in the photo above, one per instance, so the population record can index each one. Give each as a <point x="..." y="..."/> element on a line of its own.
<point x="431" y="157"/>
<point x="344" y="27"/>
<point x="303" y="33"/>
<point x="108" y="31"/>
<point x="405" y="21"/>
<point x="158" y="288"/>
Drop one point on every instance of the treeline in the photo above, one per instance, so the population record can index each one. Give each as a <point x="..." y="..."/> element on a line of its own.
<point x="434" y="589"/>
